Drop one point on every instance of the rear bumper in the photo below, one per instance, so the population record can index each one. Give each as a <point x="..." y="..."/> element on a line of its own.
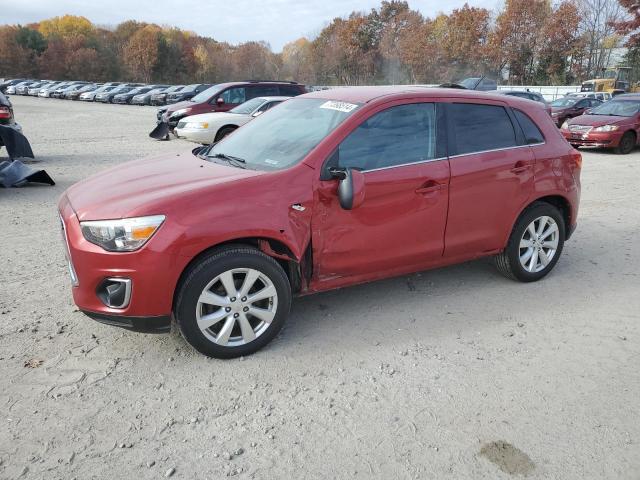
<point x="160" y="324"/>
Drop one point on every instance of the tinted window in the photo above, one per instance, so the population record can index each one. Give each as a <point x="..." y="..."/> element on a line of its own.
<point x="481" y="127"/>
<point x="234" y="95"/>
<point x="396" y="136"/>
<point x="263" y="91"/>
<point x="289" y="91"/>
<point x="532" y="133"/>
<point x="582" y="104"/>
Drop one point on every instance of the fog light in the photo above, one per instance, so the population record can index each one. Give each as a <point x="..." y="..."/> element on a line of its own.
<point x="115" y="292"/>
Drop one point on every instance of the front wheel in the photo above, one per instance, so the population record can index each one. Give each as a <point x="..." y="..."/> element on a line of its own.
<point x="627" y="143"/>
<point x="535" y="244"/>
<point x="223" y="132"/>
<point x="233" y="302"/>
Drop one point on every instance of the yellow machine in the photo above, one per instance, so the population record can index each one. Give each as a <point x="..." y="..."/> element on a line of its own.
<point x="612" y="80"/>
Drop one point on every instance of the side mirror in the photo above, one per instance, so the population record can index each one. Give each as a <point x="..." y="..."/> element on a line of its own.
<point x="258" y="113"/>
<point x="220" y="101"/>
<point x="587" y="111"/>
<point x="351" y="187"/>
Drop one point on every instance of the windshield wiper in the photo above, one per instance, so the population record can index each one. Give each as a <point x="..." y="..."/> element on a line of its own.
<point x="235" y="161"/>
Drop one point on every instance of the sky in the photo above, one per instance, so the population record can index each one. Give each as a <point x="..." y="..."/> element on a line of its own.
<point x="274" y="21"/>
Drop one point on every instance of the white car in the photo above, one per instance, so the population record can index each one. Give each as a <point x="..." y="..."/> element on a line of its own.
<point x="207" y="128"/>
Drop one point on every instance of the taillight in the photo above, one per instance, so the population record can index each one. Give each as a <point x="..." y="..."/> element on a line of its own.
<point x="5" y="112"/>
<point x="575" y="161"/>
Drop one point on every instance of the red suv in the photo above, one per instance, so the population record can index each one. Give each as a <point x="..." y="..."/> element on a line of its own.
<point x="220" y="98"/>
<point x="323" y="191"/>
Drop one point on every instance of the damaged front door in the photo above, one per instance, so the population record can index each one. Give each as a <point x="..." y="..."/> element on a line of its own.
<point x="401" y="221"/>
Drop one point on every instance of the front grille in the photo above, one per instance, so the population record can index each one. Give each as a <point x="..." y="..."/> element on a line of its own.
<point x="580" y="128"/>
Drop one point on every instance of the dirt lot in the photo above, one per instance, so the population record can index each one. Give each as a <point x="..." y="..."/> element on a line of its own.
<point x="454" y="373"/>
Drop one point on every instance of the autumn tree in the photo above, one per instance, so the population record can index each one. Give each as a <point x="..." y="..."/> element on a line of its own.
<point x="141" y="52"/>
<point x="517" y="37"/>
<point x="560" y="45"/>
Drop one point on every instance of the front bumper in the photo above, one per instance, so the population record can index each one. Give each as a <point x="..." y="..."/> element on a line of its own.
<point x="202" y="136"/>
<point x="593" y="139"/>
<point x="160" y="324"/>
<point x="153" y="271"/>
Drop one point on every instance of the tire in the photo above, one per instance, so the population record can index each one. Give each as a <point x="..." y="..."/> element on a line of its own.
<point x="509" y="261"/>
<point x="627" y="144"/>
<point x="227" y="312"/>
<point x="223" y="132"/>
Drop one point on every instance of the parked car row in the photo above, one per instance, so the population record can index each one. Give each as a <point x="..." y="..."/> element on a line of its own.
<point x="111" y="92"/>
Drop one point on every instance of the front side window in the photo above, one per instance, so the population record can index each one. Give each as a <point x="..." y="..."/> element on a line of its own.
<point x="478" y="127"/>
<point x="285" y="135"/>
<point x="396" y="136"/>
<point x="234" y="96"/>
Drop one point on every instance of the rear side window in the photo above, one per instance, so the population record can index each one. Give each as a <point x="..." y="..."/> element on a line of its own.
<point x="532" y="133"/>
<point x="263" y="91"/>
<point x="478" y="128"/>
<point x="396" y="136"/>
<point x="289" y="91"/>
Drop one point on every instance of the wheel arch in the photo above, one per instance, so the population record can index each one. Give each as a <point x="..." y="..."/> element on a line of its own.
<point x="559" y="201"/>
<point x="298" y="271"/>
<point x="228" y="125"/>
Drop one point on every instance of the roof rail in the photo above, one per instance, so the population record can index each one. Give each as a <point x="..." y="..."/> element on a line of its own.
<point x="270" y="81"/>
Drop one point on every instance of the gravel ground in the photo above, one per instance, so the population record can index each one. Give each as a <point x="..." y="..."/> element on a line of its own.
<point x="453" y="373"/>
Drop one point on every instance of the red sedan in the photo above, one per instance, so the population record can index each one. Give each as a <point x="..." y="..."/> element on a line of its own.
<point x="615" y="124"/>
<point x="325" y="190"/>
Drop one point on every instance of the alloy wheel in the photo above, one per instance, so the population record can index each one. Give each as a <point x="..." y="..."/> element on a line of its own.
<point x="539" y="244"/>
<point x="236" y="307"/>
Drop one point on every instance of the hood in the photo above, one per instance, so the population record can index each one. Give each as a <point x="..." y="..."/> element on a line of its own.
<point x="180" y="105"/>
<point x="600" y="120"/>
<point x="149" y="186"/>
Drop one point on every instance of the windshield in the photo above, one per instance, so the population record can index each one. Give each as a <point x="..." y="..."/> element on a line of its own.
<point x="190" y="88"/>
<point x="565" y="102"/>
<point x="470" y="82"/>
<point x="618" y="108"/>
<point x="249" y="106"/>
<point x="175" y="88"/>
<point x="205" y="95"/>
<point x="283" y="136"/>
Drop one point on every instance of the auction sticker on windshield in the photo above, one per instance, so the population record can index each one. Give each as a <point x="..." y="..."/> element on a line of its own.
<point x="340" y="106"/>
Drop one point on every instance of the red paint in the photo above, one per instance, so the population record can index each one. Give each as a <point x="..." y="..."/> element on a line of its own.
<point x="410" y="218"/>
<point x="603" y="139"/>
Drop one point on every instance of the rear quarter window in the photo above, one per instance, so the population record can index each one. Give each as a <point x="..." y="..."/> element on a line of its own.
<point x="479" y="128"/>
<point x="532" y="133"/>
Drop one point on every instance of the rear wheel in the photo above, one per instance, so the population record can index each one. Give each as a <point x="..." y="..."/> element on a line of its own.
<point x="535" y="244"/>
<point x="233" y="302"/>
<point x="627" y="143"/>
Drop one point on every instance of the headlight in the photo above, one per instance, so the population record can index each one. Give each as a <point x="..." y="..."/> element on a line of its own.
<point x="124" y="235"/>
<point x="197" y="125"/>
<point x="177" y="113"/>
<point x="606" y="128"/>
<point x="565" y="125"/>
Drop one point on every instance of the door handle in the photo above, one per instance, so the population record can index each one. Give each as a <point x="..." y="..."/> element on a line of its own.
<point x="430" y="186"/>
<point x="521" y="167"/>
